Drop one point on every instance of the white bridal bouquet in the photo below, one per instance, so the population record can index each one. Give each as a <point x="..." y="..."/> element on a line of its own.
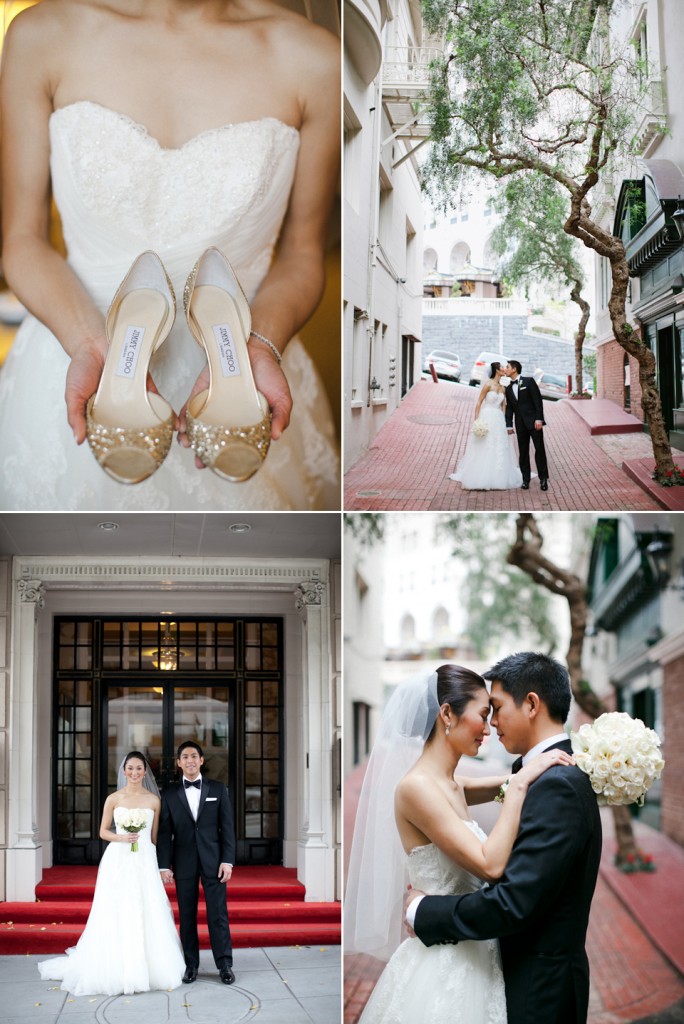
<point x="480" y="428"/>
<point x="620" y="755"/>
<point x="504" y="381"/>
<point x="134" y="820"/>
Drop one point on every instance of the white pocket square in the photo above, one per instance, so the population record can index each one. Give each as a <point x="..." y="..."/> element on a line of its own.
<point x="210" y="798"/>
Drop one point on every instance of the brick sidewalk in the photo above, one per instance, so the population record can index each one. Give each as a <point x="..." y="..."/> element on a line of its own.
<point x="408" y="465"/>
<point x="631" y="979"/>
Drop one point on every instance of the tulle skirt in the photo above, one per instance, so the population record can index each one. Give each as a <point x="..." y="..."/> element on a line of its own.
<point x="130" y="943"/>
<point x="489" y="463"/>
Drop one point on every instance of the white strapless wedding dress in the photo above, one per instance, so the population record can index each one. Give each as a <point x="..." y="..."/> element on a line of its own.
<point x="489" y="463"/>
<point x="130" y="943"/>
<point x="119" y="193"/>
<point x="442" y="984"/>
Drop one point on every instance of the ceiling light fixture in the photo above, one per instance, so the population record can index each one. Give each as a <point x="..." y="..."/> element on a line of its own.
<point x="239" y="527"/>
<point x="108" y="526"/>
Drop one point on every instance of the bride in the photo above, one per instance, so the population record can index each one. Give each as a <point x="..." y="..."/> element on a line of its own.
<point x="171" y="126"/>
<point x="130" y="943"/>
<point x="489" y="462"/>
<point x="413" y="822"/>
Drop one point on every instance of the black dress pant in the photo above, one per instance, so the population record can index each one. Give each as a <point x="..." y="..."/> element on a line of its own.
<point x="187" y="893"/>
<point x="537" y="437"/>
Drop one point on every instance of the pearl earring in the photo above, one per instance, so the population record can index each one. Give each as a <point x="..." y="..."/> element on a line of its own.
<point x="447" y="729"/>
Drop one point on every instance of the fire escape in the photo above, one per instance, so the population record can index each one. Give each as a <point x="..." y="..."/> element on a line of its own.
<point x="405" y="81"/>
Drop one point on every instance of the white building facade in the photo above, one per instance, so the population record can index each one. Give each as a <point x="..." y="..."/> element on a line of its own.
<point x="254" y="678"/>
<point x="386" y="71"/>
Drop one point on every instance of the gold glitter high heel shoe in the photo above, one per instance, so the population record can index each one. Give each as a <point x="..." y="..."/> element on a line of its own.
<point x="129" y="428"/>
<point x="229" y="424"/>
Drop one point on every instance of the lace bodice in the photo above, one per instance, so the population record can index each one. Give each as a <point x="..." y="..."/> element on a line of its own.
<point x="433" y="872"/>
<point x="120" y="192"/>
<point x="145" y="834"/>
<point x="494" y="400"/>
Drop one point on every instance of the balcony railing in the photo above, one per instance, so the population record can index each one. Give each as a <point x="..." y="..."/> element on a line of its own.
<point x="475" y="307"/>
<point x="408" y="66"/>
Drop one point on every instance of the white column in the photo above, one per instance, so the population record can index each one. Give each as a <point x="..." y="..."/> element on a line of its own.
<point x="24" y="869"/>
<point x="315" y="845"/>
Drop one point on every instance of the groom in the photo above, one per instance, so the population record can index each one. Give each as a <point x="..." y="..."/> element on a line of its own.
<point x="524" y="401"/>
<point x="197" y="837"/>
<point x="540" y="907"/>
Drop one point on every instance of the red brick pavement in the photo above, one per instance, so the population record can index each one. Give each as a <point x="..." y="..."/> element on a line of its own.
<point x="634" y="918"/>
<point x="408" y="465"/>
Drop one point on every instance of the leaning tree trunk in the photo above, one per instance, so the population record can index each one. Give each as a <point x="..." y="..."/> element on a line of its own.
<point x="526" y="553"/>
<point x="580" y="225"/>
<point x="576" y="296"/>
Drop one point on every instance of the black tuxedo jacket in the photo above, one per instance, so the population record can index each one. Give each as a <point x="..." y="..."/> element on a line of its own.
<point x="528" y="407"/>
<point x="540" y="907"/>
<point x="192" y="847"/>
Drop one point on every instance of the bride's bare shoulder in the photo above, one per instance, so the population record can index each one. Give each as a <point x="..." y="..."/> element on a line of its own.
<point x="51" y="23"/>
<point x="295" y="35"/>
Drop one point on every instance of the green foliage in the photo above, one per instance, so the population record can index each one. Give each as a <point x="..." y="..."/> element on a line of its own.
<point x="521" y="89"/>
<point x="530" y="238"/>
<point x="498" y="597"/>
<point x="365" y="527"/>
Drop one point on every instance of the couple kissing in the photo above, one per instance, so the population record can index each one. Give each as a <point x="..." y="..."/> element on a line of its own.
<point x="489" y="463"/>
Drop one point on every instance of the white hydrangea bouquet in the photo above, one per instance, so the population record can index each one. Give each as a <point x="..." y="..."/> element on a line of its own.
<point x="504" y="381"/>
<point x="620" y="755"/>
<point x="134" y="820"/>
<point x="480" y="428"/>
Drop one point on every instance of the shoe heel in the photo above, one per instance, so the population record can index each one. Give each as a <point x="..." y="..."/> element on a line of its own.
<point x="229" y="424"/>
<point x="130" y="429"/>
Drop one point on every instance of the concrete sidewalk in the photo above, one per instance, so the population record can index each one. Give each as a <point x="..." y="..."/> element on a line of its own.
<point x="277" y="985"/>
<point x="408" y="464"/>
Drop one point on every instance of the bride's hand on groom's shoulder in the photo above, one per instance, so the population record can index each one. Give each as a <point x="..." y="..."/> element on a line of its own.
<point x="541" y="763"/>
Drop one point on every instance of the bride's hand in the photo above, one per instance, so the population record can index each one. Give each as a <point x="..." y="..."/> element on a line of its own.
<point x="82" y="380"/>
<point x="272" y="383"/>
<point x="269" y="379"/>
<point x="541" y="763"/>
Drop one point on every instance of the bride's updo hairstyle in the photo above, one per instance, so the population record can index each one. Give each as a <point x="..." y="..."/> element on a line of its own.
<point x="135" y="753"/>
<point x="456" y="686"/>
<point x="493" y="367"/>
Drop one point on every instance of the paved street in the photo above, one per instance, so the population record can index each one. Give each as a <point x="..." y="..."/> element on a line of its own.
<point x="408" y="465"/>
<point x="278" y="985"/>
<point x="635" y="941"/>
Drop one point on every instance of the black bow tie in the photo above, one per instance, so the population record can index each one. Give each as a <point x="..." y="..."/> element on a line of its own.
<point x="197" y="785"/>
<point x="515" y="767"/>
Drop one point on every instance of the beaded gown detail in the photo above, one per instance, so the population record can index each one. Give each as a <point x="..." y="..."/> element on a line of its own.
<point x="119" y="192"/>
<point x="458" y="983"/>
<point x="130" y="943"/>
<point x="489" y="463"/>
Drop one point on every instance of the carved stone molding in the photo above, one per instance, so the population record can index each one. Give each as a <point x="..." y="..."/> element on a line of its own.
<point x="309" y="592"/>
<point x="32" y="592"/>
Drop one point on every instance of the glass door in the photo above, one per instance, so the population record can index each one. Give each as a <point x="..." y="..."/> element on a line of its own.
<point x="149" y="685"/>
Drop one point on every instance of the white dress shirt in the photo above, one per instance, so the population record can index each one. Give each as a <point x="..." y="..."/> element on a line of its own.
<point x="193" y="794"/>
<point x="550" y="741"/>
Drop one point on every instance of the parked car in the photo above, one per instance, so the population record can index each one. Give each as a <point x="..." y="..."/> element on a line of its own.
<point x="446" y="364"/>
<point x="481" y="364"/>
<point x="551" y="385"/>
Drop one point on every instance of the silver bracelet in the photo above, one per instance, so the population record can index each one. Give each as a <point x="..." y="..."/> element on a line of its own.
<point x="270" y="344"/>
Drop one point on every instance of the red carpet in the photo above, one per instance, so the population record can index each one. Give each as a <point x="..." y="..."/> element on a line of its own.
<point x="266" y="906"/>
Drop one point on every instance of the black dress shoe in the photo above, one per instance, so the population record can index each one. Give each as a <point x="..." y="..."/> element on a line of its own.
<point x="226" y="975"/>
<point x="544" y="484"/>
<point x="526" y="485"/>
<point x="190" y="975"/>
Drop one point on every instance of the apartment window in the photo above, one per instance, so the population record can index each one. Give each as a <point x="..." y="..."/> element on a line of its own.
<point x="464" y="216"/>
<point x="379" y="360"/>
<point x="640" y="41"/>
<point x="359" y="355"/>
<point x="362" y="713"/>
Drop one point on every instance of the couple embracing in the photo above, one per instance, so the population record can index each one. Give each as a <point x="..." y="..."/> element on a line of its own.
<point x="505" y="398"/>
<point x="497" y="923"/>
